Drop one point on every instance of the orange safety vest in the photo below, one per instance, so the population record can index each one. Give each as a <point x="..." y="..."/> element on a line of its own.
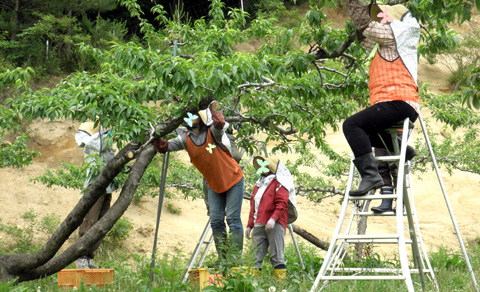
<point x="390" y="80"/>
<point x="219" y="168"/>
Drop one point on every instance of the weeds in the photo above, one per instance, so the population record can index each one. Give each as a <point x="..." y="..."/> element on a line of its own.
<point x="132" y="271"/>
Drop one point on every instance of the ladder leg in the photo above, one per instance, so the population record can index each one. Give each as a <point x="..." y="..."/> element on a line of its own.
<point x="328" y="257"/>
<point x="411" y="228"/>
<point x="197" y="250"/>
<point x="424" y="259"/>
<point x="447" y="201"/>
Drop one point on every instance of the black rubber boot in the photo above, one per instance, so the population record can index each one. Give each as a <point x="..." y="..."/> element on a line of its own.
<point x="410" y="153"/>
<point x="236" y="243"/>
<point x="220" y="239"/>
<point x="371" y="179"/>
<point x="386" y="205"/>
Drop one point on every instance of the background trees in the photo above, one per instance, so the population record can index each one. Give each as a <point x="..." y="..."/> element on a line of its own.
<point x="303" y="79"/>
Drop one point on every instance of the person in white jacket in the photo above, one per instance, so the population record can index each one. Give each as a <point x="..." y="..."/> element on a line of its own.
<point x="96" y="154"/>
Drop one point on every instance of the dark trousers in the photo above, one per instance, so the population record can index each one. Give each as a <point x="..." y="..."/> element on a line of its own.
<point x="361" y="129"/>
<point x="96" y="212"/>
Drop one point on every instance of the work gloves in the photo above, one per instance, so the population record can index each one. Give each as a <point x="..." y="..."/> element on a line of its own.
<point x="161" y="145"/>
<point x="248" y="230"/>
<point x="217" y="115"/>
<point x="270" y="224"/>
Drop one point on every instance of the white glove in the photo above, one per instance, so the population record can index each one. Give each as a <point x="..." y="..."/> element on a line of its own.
<point x="270" y="224"/>
<point x="247" y="232"/>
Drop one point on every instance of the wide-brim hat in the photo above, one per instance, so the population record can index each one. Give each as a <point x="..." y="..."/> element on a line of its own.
<point x="203" y="116"/>
<point x="89" y="127"/>
<point x="272" y="165"/>
<point x="394" y="11"/>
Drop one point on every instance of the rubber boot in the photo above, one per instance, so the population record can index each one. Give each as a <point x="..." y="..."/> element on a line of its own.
<point x="386" y="204"/>
<point x="280" y="274"/>
<point x="410" y="153"/>
<point x="236" y="243"/>
<point x="371" y="179"/>
<point x="220" y="239"/>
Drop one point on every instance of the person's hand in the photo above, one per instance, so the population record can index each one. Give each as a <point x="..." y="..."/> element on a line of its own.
<point x="161" y="145"/>
<point x="270" y="224"/>
<point x="217" y="115"/>
<point x="247" y="232"/>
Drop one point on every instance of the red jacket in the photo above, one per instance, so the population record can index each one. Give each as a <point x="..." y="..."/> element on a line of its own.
<point x="274" y="204"/>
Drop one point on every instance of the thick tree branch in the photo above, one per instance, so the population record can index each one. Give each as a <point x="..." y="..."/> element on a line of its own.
<point x="310" y="237"/>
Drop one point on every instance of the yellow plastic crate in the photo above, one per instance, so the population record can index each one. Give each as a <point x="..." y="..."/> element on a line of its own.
<point x="203" y="278"/>
<point x="69" y="278"/>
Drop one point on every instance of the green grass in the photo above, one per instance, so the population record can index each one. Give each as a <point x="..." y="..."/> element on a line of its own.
<point x="132" y="271"/>
<point x="132" y="274"/>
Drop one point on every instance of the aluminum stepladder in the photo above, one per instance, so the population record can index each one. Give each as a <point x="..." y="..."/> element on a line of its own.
<point x="204" y="244"/>
<point x="346" y="235"/>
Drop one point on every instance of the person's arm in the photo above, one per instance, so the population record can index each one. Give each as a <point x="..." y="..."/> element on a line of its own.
<point x="175" y="144"/>
<point x="373" y="31"/>
<point x="379" y="33"/>
<point x="218" y="126"/>
<point x="359" y="11"/>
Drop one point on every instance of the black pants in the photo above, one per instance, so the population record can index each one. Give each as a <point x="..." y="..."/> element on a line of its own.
<point x="361" y="129"/>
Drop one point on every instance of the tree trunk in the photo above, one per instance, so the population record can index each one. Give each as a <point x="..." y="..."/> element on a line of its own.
<point x="362" y="228"/>
<point x="46" y="262"/>
<point x="13" y="36"/>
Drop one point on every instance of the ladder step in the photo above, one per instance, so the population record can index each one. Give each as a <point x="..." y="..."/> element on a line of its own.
<point x="397" y="271"/>
<point x="369" y="236"/>
<point x="372" y="197"/>
<point x="362" y="278"/>
<point x="389" y="213"/>
<point x="376" y="240"/>
<point x="388" y="158"/>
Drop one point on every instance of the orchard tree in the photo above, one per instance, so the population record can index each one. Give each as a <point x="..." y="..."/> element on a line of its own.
<point x="297" y="84"/>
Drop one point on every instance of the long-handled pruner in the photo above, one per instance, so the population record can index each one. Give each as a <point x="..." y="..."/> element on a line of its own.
<point x="161" y="195"/>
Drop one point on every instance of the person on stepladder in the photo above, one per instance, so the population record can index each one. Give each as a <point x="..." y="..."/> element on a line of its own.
<point x="272" y="207"/>
<point x="96" y="153"/>
<point x="391" y="34"/>
<point x="209" y="149"/>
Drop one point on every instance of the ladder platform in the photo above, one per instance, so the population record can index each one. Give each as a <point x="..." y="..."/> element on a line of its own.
<point x="373" y="197"/>
<point x="376" y="270"/>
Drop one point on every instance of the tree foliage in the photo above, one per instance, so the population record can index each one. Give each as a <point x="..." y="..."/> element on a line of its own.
<point x="299" y="83"/>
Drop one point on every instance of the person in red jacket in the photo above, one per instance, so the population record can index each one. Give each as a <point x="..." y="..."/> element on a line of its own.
<point x="267" y="221"/>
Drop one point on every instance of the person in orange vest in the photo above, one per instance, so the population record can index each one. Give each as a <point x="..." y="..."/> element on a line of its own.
<point x="209" y="149"/>
<point x="391" y="35"/>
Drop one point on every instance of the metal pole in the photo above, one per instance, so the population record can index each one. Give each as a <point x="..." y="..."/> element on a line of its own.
<point x="159" y="210"/>
<point x="290" y="228"/>
<point x="450" y="211"/>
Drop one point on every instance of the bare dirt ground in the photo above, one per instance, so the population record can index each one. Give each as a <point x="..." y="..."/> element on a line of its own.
<point x="55" y="140"/>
